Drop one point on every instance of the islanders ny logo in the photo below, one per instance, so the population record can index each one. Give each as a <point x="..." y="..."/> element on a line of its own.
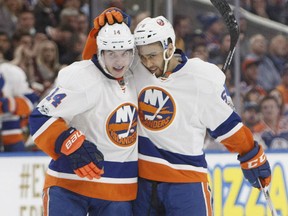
<point x="156" y="108"/>
<point x="121" y="125"/>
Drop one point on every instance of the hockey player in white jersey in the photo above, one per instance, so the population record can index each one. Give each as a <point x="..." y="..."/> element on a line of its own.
<point x="17" y="101"/>
<point x="179" y="100"/>
<point x="88" y="125"/>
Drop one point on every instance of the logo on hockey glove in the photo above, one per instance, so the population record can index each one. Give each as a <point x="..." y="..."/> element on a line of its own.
<point x="156" y="108"/>
<point x="257" y="162"/>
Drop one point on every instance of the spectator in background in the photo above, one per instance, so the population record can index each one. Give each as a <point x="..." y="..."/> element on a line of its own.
<point x="45" y="15"/>
<point x="272" y="130"/>
<point x="253" y="95"/>
<point x="46" y="66"/>
<point x="278" y="52"/>
<point x="250" y="115"/>
<point x="76" y="44"/>
<point x="278" y="96"/>
<point x="6" y="46"/>
<point x="195" y="38"/>
<point x="61" y="35"/>
<point x="260" y="8"/>
<point x="200" y="51"/>
<point x="182" y="26"/>
<point x="9" y="10"/>
<point x="69" y="18"/>
<point x="276" y="10"/>
<point x="250" y="73"/>
<point x="26" y="22"/>
<point x="213" y="29"/>
<point x="268" y="77"/>
<point x="283" y="88"/>
<point x="83" y="24"/>
<point x="223" y="51"/>
<point x="16" y="103"/>
<point x="23" y="52"/>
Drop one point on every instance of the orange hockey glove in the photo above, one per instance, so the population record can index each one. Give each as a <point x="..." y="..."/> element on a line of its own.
<point x="84" y="157"/>
<point x="110" y="15"/>
<point x="255" y="165"/>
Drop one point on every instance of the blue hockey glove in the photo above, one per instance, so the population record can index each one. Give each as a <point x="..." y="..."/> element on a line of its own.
<point x="84" y="157"/>
<point x="255" y="165"/>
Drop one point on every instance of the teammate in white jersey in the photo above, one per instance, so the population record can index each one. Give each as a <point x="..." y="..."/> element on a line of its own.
<point x="88" y="125"/>
<point x="179" y="100"/>
<point x="17" y="101"/>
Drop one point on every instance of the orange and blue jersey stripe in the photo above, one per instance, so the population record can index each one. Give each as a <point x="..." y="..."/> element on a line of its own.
<point x="166" y="166"/>
<point x="118" y="183"/>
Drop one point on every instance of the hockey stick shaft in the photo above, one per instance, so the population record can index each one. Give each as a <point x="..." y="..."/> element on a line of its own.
<point x="231" y="23"/>
<point x="268" y="199"/>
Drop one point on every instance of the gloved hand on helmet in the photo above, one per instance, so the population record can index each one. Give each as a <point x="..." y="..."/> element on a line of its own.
<point x="111" y="15"/>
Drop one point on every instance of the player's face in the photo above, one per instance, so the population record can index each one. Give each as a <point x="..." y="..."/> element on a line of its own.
<point x="117" y="62"/>
<point x="151" y="56"/>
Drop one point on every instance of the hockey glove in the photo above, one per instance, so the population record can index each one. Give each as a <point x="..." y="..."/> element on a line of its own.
<point x="4" y="105"/>
<point x="84" y="157"/>
<point x="255" y="165"/>
<point x="111" y="15"/>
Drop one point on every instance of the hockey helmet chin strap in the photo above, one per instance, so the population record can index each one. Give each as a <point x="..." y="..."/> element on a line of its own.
<point x="167" y="59"/>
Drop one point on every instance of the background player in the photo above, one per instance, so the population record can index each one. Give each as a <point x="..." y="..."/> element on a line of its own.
<point x="17" y="100"/>
<point x="88" y="125"/>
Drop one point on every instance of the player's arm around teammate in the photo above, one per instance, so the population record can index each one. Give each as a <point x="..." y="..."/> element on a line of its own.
<point x="179" y="100"/>
<point x="88" y="125"/>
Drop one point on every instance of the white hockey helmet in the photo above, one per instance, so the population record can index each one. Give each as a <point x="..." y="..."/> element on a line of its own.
<point x="115" y="37"/>
<point x="151" y="30"/>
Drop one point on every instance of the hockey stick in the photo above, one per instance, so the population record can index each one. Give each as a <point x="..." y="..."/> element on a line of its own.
<point x="231" y="23"/>
<point x="268" y="199"/>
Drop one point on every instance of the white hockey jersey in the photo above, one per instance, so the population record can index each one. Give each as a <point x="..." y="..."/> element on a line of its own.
<point x="175" y="113"/>
<point x="21" y="102"/>
<point x="84" y="98"/>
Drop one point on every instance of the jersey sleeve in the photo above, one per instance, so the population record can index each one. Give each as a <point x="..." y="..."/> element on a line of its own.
<point x="223" y="123"/>
<point x="16" y="88"/>
<point x="53" y="114"/>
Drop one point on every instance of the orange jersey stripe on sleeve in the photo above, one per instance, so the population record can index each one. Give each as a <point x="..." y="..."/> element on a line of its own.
<point x="46" y="140"/>
<point x="241" y="142"/>
<point x="162" y="173"/>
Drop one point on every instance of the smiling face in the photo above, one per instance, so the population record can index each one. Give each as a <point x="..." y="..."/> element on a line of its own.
<point x="151" y="56"/>
<point x="117" y="62"/>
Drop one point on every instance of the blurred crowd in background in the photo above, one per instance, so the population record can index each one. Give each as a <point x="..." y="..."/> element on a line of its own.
<point x="43" y="36"/>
